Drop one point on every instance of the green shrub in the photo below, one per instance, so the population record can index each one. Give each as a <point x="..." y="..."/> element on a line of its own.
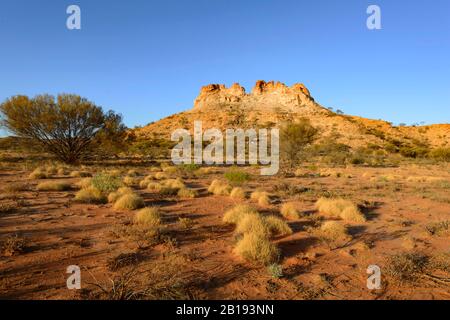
<point x="236" y="177"/>
<point x="105" y="182"/>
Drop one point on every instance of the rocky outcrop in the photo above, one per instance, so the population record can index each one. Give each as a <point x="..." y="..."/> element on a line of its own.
<point x="265" y="95"/>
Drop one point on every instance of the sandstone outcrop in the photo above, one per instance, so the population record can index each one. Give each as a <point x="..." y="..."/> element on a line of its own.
<point x="265" y="95"/>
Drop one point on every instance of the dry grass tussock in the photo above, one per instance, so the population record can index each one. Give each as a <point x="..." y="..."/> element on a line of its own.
<point x="238" y="193"/>
<point x="219" y="188"/>
<point x="90" y="195"/>
<point x="257" y="249"/>
<point x="129" y="201"/>
<point x="340" y="208"/>
<point x="289" y="211"/>
<point x="114" y="196"/>
<point x="187" y="193"/>
<point x="53" y="186"/>
<point x="334" y="233"/>
<point x="262" y="197"/>
<point x="150" y="217"/>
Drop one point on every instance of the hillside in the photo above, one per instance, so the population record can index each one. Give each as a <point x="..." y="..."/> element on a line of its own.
<point x="270" y="104"/>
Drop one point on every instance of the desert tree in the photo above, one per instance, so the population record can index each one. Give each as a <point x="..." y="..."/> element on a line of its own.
<point x="69" y="127"/>
<point x="294" y="138"/>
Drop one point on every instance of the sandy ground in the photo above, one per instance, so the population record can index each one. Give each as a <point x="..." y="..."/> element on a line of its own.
<point x="399" y="204"/>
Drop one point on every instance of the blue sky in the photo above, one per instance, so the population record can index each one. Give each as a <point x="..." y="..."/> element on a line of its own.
<point x="148" y="59"/>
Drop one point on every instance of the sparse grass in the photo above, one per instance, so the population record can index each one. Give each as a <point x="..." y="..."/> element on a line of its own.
<point x="289" y="211"/>
<point x="186" y="193"/>
<point x="340" y="208"/>
<point x="16" y="187"/>
<point x="257" y="249"/>
<point x="186" y="223"/>
<point x="53" y="186"/>
<point x="8" y="207"/>
<point x="237" y="213"/>
<point x="90" y="195"/>
<point x="13" y="245"/>
<point x="407" y="267"/>
<point x="129" y="201"/>
<point x="441" y="228"/>
<point x="238" y="193"/>
<point x="150" y="217"/>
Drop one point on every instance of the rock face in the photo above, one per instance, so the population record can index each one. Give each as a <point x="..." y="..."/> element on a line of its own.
<point x="265" y="96"/>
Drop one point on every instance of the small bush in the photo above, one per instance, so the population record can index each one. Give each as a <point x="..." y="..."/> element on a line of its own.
<point x="441" y="154"/>
<point x="407" y="267"/>
<point x="275" y="271"/>
<point x="106" y="182"/>
<point x="13" y="245"/>
<point x="236" y="177"/>
<point x="53" y="186"/>
<point x="237" y="213"/>
<point x="257" y="249"/>
<point x="238" y="193"/>
<point x="289" y="211"/>
<point x="187" y="193"/>
<point x="90" y="195"/>
<point x="129" y="201"/>
<point x="441" y="228"/>
<point x="150" y="217"/>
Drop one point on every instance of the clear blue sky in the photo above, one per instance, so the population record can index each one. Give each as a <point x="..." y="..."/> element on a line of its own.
<point x="148" y="59"/>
